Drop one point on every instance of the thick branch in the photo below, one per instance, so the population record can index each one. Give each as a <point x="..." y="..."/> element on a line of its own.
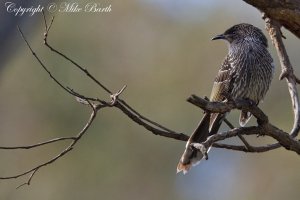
<point x="287" y="71"/>
<point x="220" y="107"/>
<point x="284" y="138"/>
<point x="265" y="128"/>
<point x="287" y="13"/>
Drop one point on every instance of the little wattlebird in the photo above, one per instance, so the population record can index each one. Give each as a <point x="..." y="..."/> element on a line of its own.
<point x="246" y="73"/>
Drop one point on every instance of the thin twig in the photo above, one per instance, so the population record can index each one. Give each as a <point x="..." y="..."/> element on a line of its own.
<point x="254" y="149"/>
<point x="39" y="144"/>
<point x="144" y="118"/>
<point x="70" y="60"/>
<point x="126" y="106"/>
<point x="74" y="139"/>
<point x="61" y="154"/>
<point x="29" y="179"/>
<point x="41" y="63"/>
<point x="66" y="88"/>
<point x="136" y="119"/>
<point x="247" y="145"/>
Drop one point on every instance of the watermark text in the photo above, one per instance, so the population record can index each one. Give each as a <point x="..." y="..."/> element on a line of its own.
<point x="62" y="7"/>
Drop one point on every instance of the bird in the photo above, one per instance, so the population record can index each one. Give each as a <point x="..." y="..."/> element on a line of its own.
<point x="246" y="73"/>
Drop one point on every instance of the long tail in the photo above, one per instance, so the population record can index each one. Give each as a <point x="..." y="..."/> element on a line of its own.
<point x="191" y="156"/>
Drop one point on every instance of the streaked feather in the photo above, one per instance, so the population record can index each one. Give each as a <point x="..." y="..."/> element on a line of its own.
<point x="245" y="73"/>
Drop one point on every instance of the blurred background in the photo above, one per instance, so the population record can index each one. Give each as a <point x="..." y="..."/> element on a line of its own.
<point x="162" y="51"/>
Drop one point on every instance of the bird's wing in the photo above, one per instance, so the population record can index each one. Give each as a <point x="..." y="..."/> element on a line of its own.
<point x="221" y="85"/>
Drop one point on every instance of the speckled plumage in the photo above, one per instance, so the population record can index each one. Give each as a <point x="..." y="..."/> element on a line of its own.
<point x="246" y="73"/>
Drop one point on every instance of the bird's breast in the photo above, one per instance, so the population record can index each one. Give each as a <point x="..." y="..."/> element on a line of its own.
<point x="252" y="75"/>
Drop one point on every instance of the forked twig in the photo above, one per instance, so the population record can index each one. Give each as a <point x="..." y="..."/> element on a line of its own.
<point x="95" y="103"/>
<point x="125" y="107"/>
<point x="74" y="139"/>
<point x="61" y="154"/>
<point x="287" y="71"/>
<point x="263" y="128"/>
<point x="247" y="145"/>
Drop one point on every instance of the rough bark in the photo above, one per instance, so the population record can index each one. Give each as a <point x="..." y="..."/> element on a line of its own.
<point x="286" y="12"/>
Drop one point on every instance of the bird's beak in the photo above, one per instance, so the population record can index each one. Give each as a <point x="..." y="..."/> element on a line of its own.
<point x="218" y="37"/>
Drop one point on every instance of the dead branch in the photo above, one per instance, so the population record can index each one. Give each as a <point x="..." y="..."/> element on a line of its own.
<point x="264" y="127"/>
<point x="39" y="144"/>
<point x="287" y="13"/>
<point x="122" y="105"/>
<point x="33" y="171"/>
<point x="220" y="107"/>
<point x="247" y="145"/>
<point x="287" y="71"/>
<point x="95" y="103"/>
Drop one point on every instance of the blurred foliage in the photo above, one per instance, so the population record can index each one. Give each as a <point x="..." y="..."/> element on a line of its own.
<point x="162" y="51"/>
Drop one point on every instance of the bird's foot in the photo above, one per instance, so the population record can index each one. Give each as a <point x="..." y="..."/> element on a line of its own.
<point x="251" y="102"/>
<point x="227" y="96"/>
<point x="261" y="134"/>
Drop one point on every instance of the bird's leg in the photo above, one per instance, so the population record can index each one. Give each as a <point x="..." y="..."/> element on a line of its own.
<point x="206" y="98"/>
<point x="227" y="96"/>
<point x="260" y="134"/>
<point x="251" y="102"/>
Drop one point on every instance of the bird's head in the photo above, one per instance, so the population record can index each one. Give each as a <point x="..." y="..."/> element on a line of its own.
<point x="241" y="33"/>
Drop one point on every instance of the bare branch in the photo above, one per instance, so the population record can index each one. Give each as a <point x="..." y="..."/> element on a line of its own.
<point x="285" y="139"/>
<point x="133" y="111"/>
<point x="223" y="107"/>
<point x="61" y="154"/>
<point x="115" y="102"/>
<point x="65" y="88"/>
<point x="138" y="120"/>
<point x="283" y="11"/>
<point x="94" y="107"/>
<point x="154" y="127"/>
<point x="287" y="71"/>
<point x="264" y="127"/>
<point x="29" y="179"/>
<point x="69" y="59"/>
<point x="39" y="144"/>
<point x="247" y="145"/>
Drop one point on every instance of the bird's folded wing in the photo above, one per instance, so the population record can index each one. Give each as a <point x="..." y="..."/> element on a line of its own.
<point x="221" y="86"/>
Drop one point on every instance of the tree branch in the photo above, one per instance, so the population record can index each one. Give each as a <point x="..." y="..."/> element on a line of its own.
<point x="287" y="72"/>
<point x="264" y="127"/>
<point x="287" y="13"/>
<point x="247" y="145"/>
<point x="221" y="107"/>
<point x="33" y="171"/>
